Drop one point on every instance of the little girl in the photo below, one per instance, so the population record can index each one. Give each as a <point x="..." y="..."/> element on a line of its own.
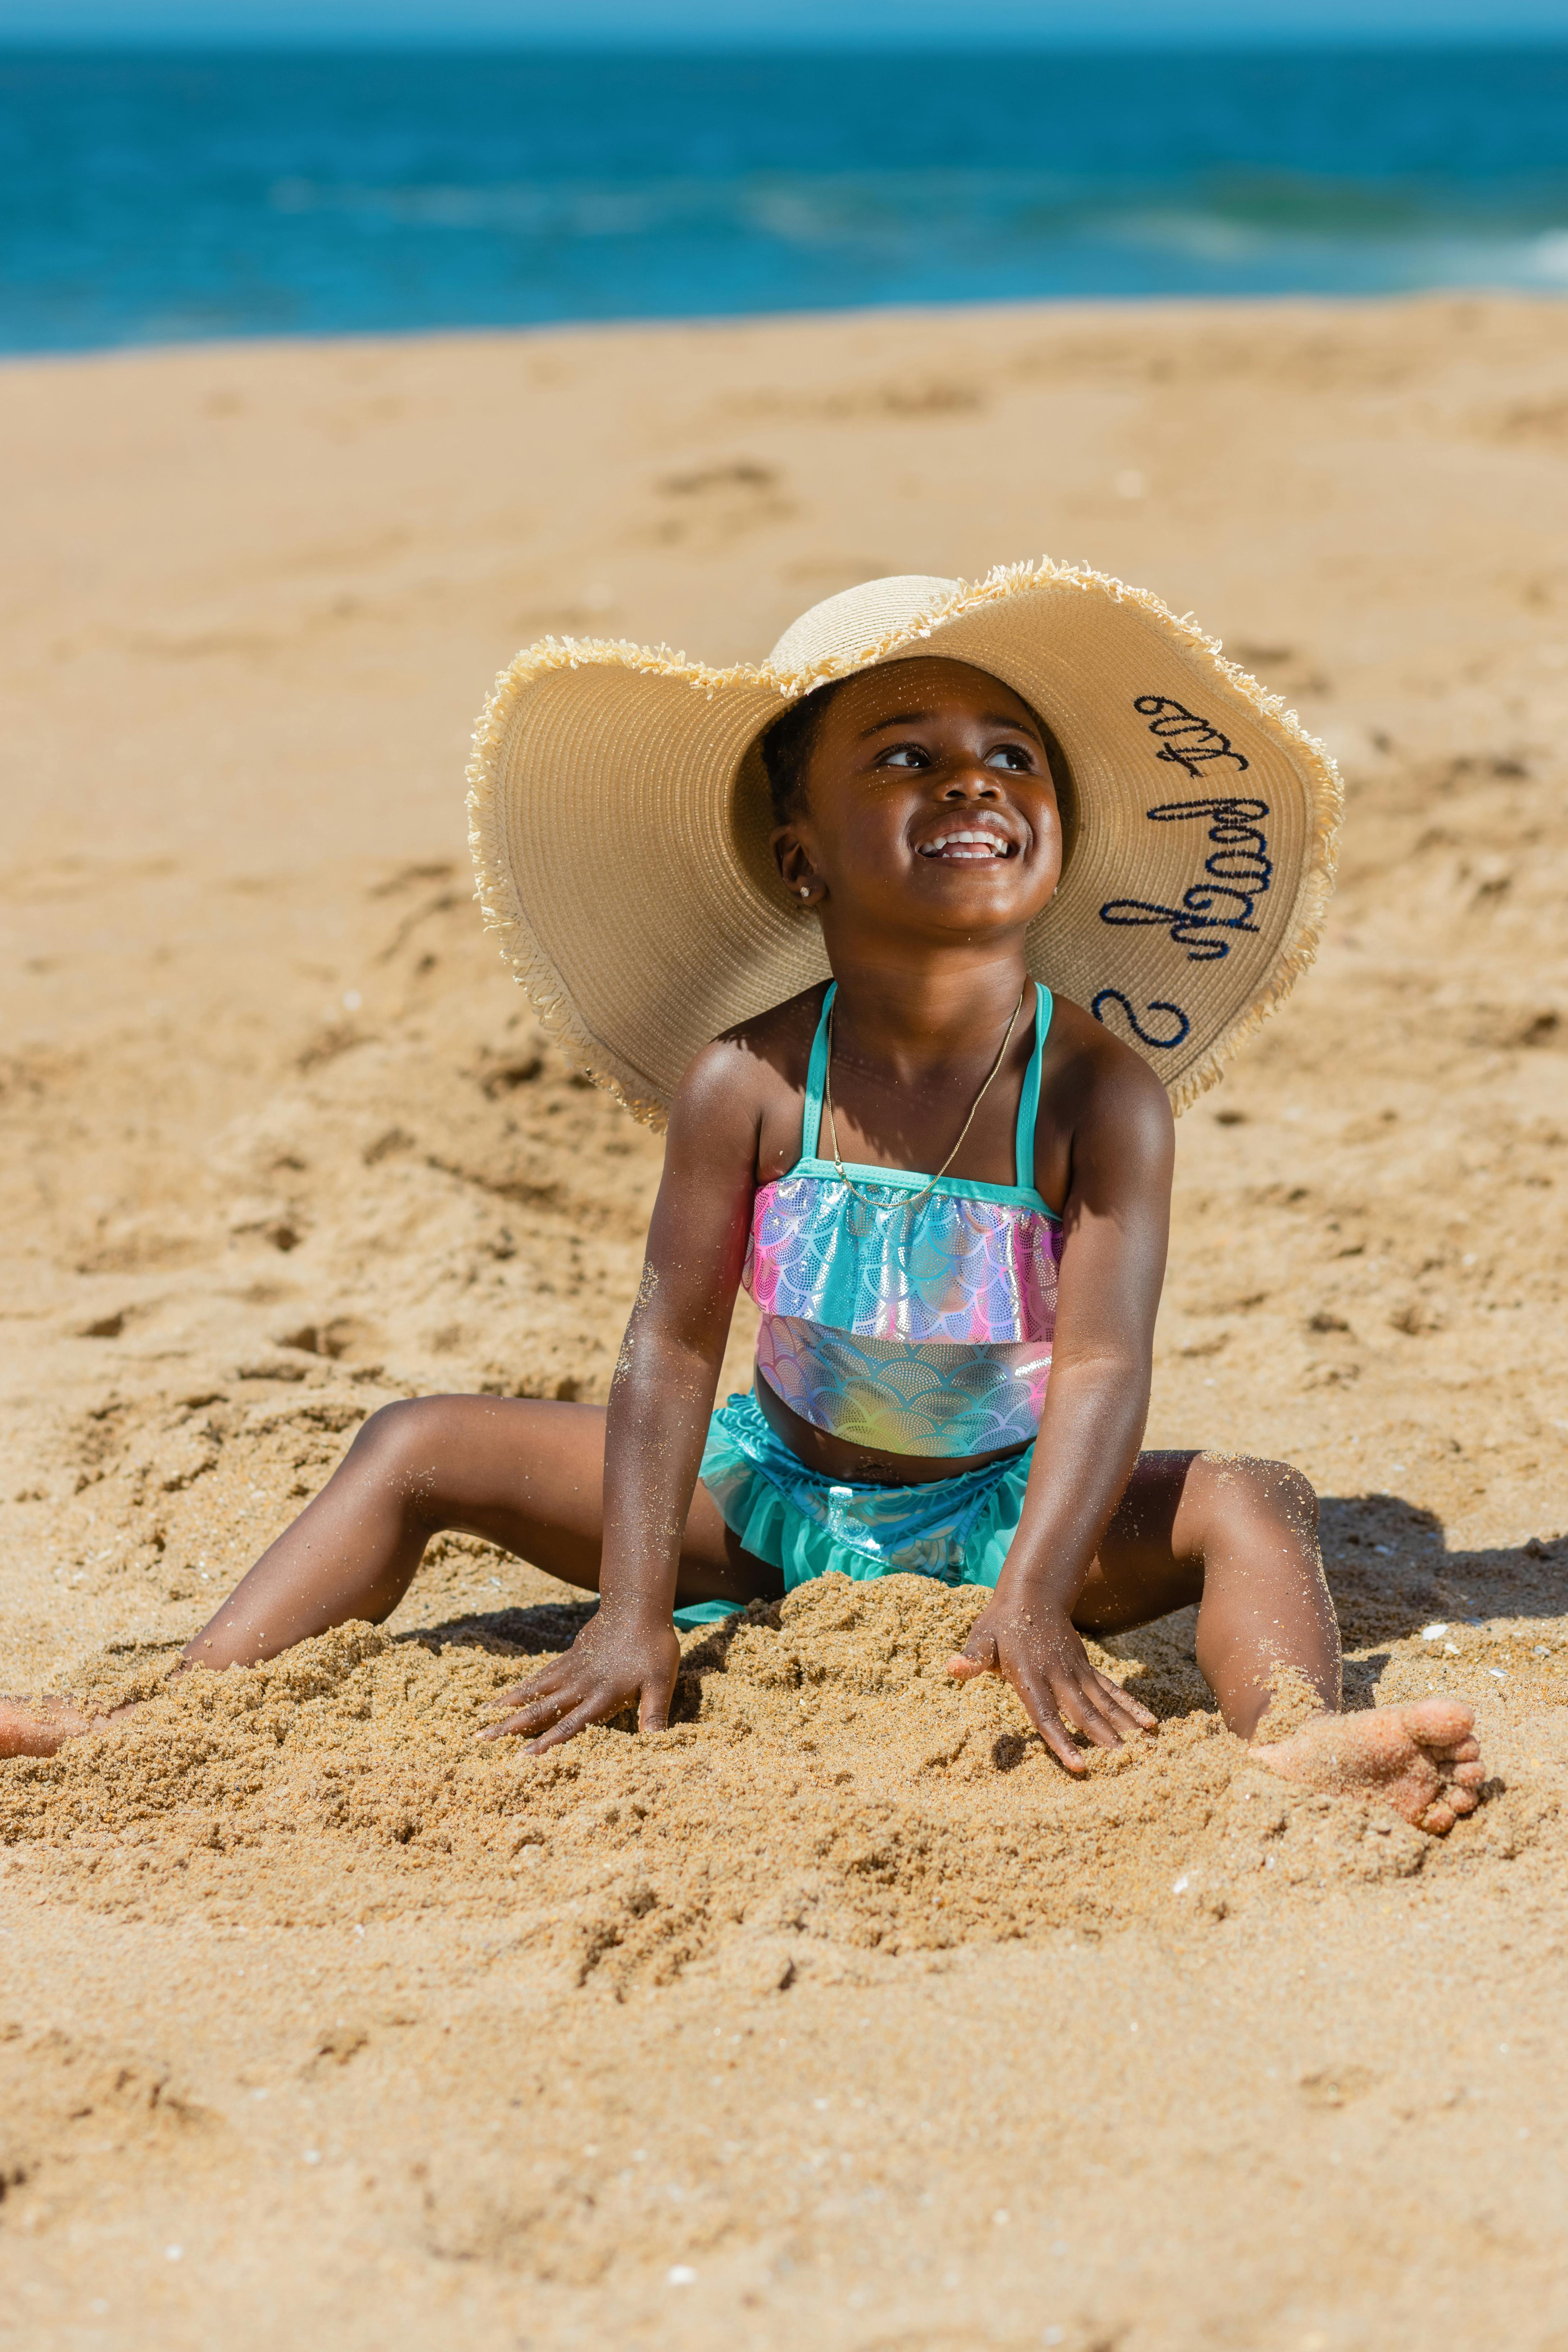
<point x="946" y="1187"/>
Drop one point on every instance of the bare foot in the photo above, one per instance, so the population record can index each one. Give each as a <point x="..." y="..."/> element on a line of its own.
<point x="38" y="1727"/>
<point x="1421" y="1759"/>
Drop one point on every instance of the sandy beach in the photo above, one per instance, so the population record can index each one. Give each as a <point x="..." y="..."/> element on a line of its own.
<point x="838" y="2016"/>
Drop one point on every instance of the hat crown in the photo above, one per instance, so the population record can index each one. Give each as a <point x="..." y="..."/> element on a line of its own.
<point x="842" y="626"/>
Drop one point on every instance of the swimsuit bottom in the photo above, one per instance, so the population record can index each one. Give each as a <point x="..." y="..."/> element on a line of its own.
<point x="807" y="1525"/>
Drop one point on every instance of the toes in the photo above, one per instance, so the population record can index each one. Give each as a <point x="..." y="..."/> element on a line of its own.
<point x="1468" y="1776"/>
<point x="1439" y="1722"/>
<point x="1437" y="1820"/>
<point x="1462" y="1800"/>
<point x="1467" y="1752"/>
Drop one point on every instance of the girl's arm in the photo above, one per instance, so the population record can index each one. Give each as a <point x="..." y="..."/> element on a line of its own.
<point x="1116" y="1223"/>
<point x="661" y="1399"/>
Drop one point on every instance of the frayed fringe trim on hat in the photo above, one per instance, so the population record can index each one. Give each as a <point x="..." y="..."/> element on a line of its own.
<point x="499" y="905"/>
<point x="504" y="913"/>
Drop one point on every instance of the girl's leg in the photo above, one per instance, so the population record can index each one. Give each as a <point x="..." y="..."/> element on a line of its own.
<point x="525" y="1474"/>
<point x="1239" y="1538"/>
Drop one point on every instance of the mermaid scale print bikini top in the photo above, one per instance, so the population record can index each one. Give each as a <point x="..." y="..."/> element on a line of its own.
<point x="918" y="1326"/>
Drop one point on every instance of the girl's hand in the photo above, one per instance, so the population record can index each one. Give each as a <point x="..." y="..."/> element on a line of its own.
<point x="621" y="1654"/>
<point x="1035" y="1645"/>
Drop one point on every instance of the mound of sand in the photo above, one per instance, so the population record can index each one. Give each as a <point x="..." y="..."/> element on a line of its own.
<point x="825" y="1790"/>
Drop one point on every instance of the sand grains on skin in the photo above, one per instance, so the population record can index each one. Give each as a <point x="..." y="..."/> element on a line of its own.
<point x="1424" y="1760"/>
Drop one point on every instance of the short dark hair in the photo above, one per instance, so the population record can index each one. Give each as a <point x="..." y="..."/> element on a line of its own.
<point x="787" y="747"/>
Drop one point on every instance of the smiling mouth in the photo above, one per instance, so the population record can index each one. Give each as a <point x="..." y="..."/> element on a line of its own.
<point x="967" y="845"/>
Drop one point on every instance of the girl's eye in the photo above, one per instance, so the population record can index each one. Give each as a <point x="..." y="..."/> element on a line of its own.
<point x="906" y="755"/>
<point x="1008" y="755"/>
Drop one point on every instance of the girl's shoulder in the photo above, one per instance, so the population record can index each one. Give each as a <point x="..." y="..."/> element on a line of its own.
<point x="780" y="1027"/>
<point x="1086" y="1064"/>
<point x="1096" y="1096"/>
<point x="760" y="1064"/>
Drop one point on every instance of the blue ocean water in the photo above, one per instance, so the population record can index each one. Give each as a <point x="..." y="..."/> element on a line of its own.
<point x="165" y="197"/>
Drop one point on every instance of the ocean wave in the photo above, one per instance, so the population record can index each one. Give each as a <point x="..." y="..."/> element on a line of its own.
<point x="1295" y="231"/>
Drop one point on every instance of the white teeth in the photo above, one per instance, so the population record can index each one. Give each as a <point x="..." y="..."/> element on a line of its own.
<point x="985" y="845"/>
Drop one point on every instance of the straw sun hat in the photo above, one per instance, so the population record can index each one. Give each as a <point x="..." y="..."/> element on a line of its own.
<point x="619" y="822"/>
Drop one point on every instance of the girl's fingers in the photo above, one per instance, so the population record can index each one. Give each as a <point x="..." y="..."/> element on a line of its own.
<point x="547" y="1679"/>
<point x="540" y="1712"/>
<point x="1080" y="1701"/>
<point x="1109" y="1706"/>
<point x="653" y="1713"/>
<point x="604" y="1698"/>
<point x="545" y="1713"/>
<point x="978" y="1656"/>
<point x="525" y="1723"/>
<point x="1120" y="1702"/>
<point x="1043" y="1714"/>
<point x="1094" y="1703"/>
<point x="510" y="1727"/>
<point x="570" y="1725"/>
<point x="1061" y="1747"/>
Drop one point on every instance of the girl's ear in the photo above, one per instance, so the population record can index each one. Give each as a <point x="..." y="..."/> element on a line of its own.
<point x="794" y="861"/>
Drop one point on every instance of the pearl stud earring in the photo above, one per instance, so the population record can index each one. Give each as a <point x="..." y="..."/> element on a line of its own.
<point x="805" y="890"/>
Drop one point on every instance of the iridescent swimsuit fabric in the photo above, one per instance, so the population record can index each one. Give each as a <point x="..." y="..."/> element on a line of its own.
<point x="917" y="1326"/>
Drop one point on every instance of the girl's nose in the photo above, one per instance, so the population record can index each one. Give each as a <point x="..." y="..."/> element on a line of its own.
<point x="970" y="784"/>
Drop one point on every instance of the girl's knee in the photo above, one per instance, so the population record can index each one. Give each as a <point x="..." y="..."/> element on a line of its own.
<point x="401" y="1445"/>
<point x="1245" y="1487"/>
<point x="394" y="1430"/>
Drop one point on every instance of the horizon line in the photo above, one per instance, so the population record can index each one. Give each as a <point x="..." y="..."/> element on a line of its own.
<point x="1388" y="40"/>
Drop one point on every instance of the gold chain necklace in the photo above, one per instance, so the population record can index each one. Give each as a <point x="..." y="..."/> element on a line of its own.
<point x="932" y="1181"/>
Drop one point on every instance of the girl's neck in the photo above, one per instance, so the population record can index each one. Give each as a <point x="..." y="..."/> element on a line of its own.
<point x="949" y="1009"/>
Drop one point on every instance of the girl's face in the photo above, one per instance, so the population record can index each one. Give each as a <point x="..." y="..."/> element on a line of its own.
<point x="929" y="806"/>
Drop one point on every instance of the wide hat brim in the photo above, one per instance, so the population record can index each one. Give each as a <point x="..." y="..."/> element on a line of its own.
<point x="619" y="821"/>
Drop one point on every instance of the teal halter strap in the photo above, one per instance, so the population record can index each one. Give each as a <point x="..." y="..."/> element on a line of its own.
<point x="1029" y="1100"/>
<point x="816" y="1079"/>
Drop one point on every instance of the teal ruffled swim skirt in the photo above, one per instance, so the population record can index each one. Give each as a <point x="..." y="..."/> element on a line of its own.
<point x="807" y="1524"/>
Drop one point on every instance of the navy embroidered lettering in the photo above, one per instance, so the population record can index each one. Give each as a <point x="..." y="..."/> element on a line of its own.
<point x="1185" y="739"/>
<point x="1241" y="870"/>
<point x="1114" y="996"/>
<point x="1235" y="829"/>
<point x="1195" y="922"/>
